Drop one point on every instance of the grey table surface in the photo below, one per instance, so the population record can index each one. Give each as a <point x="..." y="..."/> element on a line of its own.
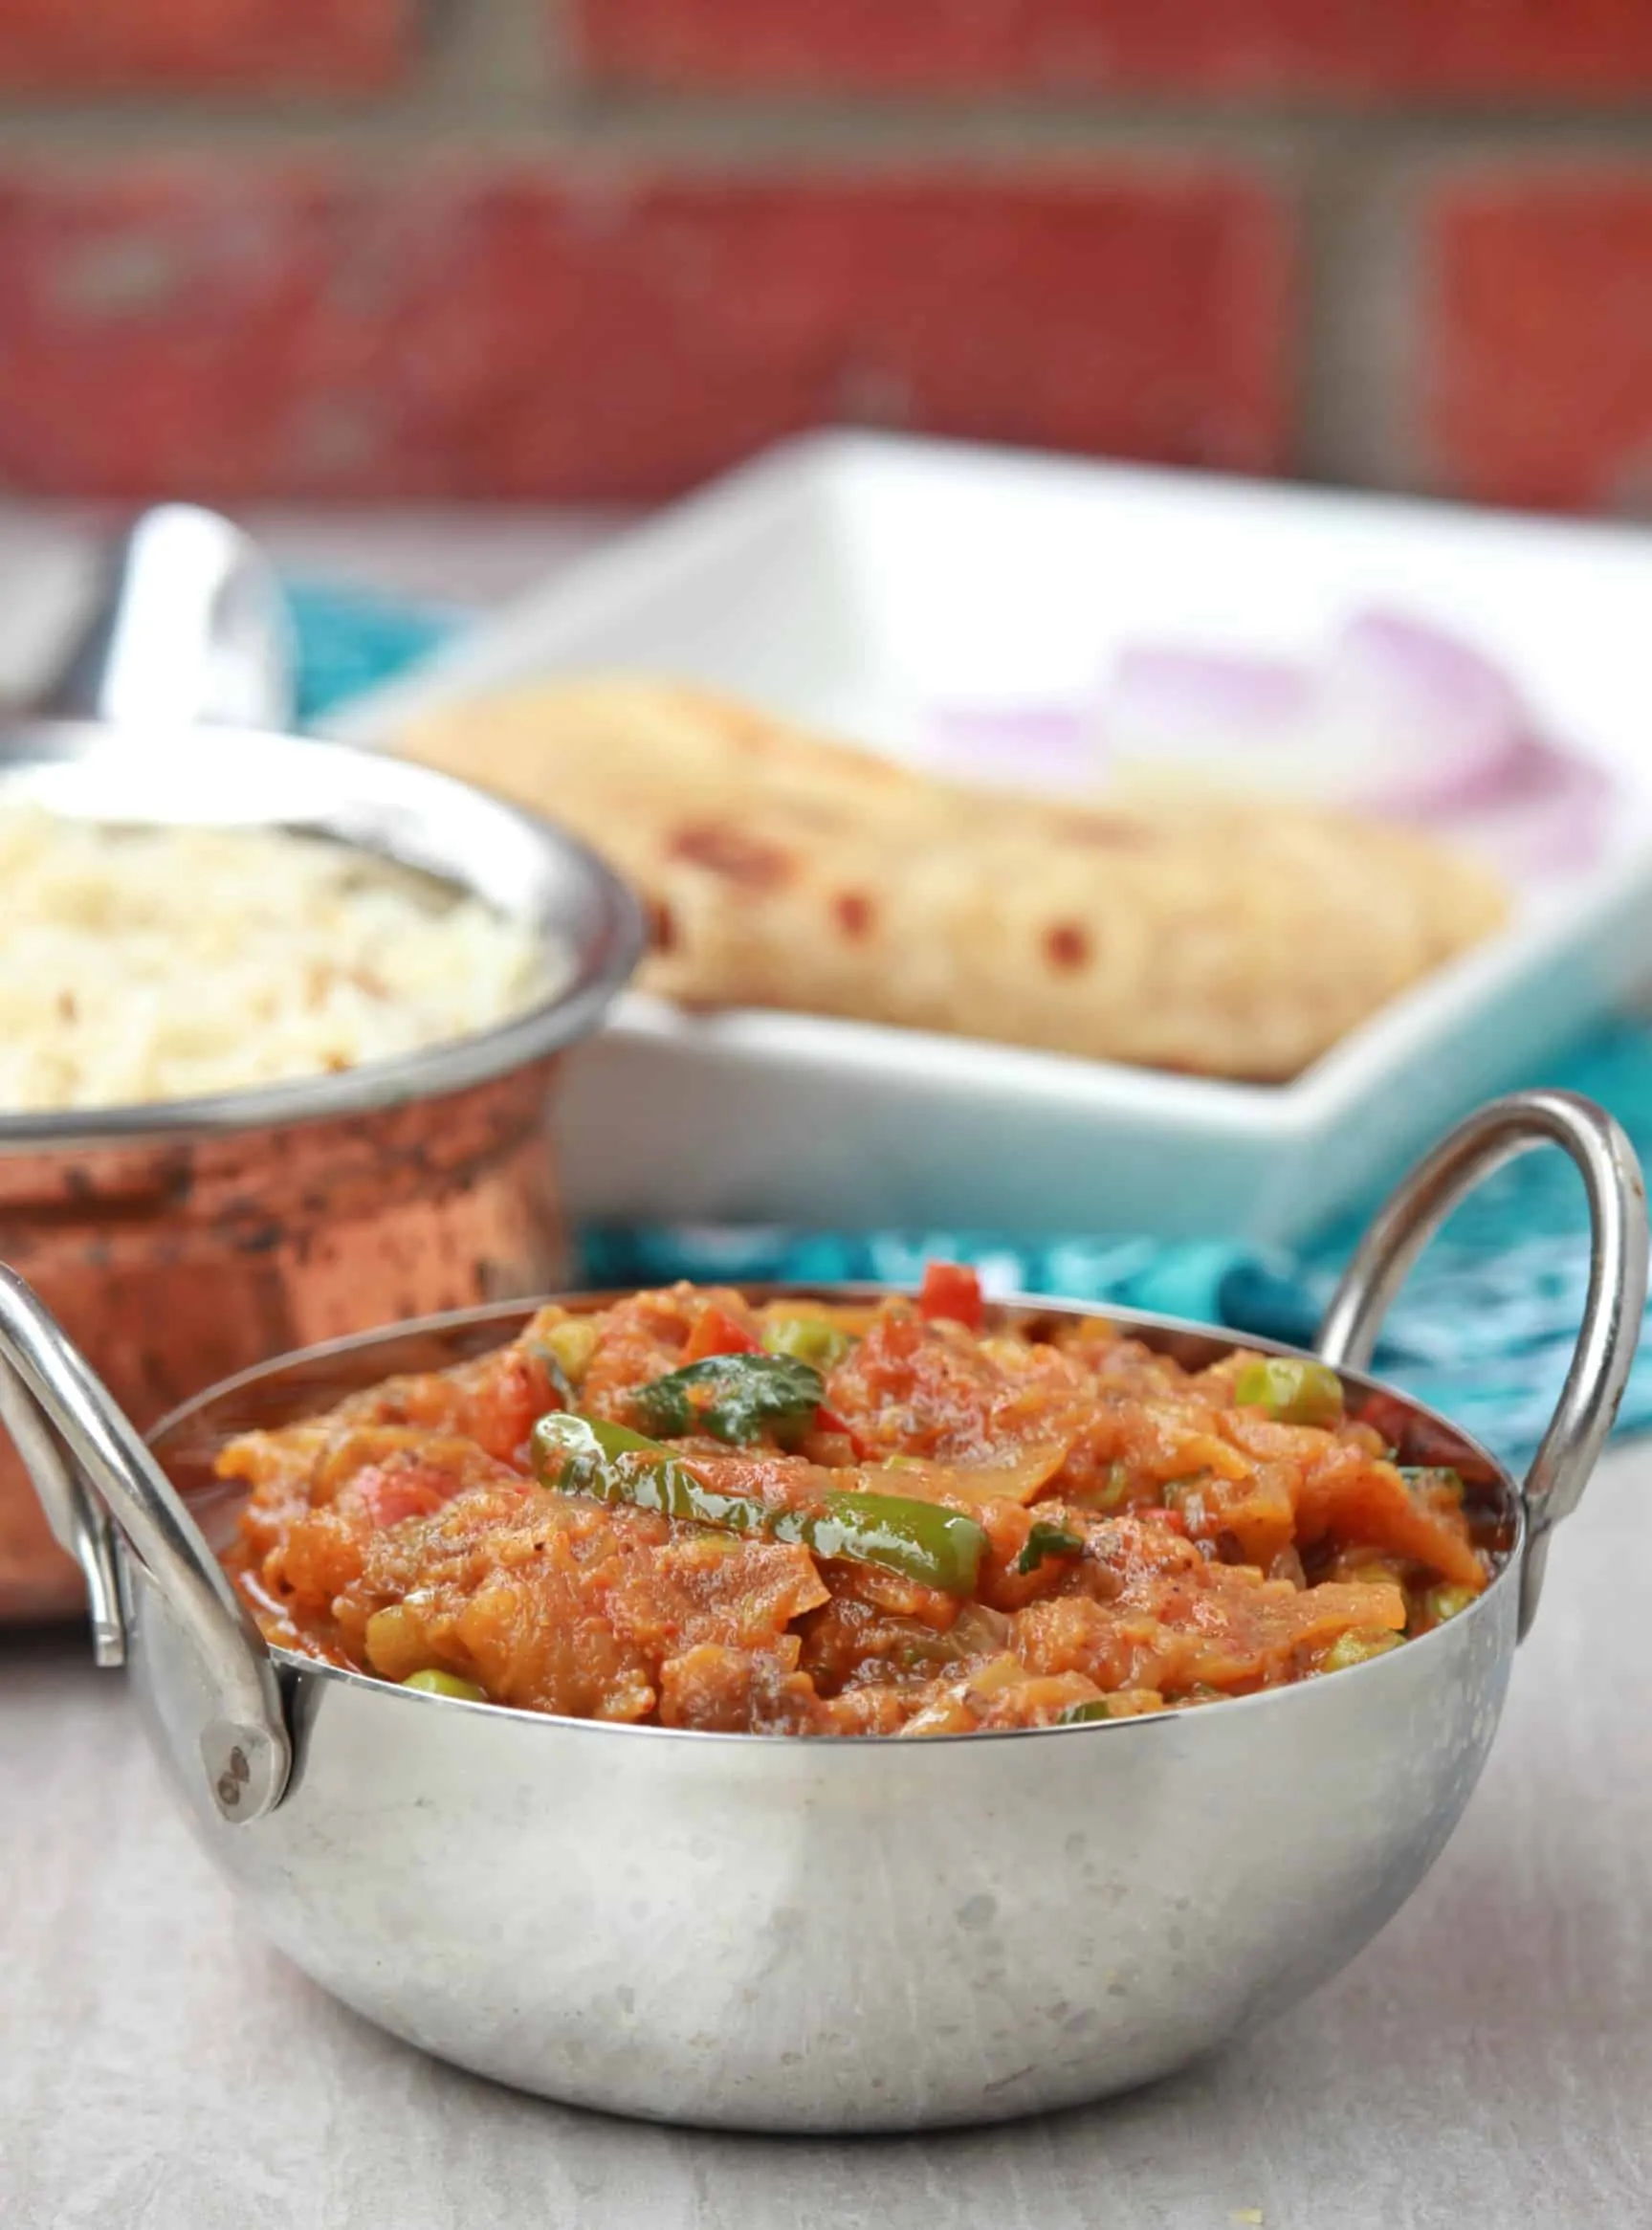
<point x="1487" y="2062"/>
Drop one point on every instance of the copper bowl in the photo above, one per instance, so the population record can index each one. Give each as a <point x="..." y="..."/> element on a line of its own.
<point x="187" y="1239"/>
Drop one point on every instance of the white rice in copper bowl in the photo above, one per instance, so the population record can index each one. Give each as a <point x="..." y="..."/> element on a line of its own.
<point x="154" y="964"/>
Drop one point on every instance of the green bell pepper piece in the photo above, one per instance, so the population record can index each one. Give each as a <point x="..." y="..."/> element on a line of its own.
<point x="812" y="1340"/>
<point x="1048" y="1541"/>
<point x="1449" y="1602"/>
<point x="1295" y="1391"/>
<point x="434" y="1683"/>
<point x="937" y="1547"/>
<point x="1358" y="1648"/>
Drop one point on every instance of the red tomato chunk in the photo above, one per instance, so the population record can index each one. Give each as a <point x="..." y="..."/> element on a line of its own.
<point x="952" y="1292"/>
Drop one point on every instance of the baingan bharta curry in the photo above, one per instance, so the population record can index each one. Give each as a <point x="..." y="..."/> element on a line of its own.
<point x="903" y="1516"/>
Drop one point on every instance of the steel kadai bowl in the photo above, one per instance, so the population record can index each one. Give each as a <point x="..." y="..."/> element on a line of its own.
<point x="776" y="1933"/>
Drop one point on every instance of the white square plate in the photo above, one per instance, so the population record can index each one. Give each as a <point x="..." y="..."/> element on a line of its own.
<point x="853" y="580"/>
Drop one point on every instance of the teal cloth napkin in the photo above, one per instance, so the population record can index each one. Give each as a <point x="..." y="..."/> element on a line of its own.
<point x="1483" y="1330"/>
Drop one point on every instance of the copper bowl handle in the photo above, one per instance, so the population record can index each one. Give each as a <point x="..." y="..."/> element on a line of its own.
<point x="89" y="1467"/>
<point x="1611" y="1312"/>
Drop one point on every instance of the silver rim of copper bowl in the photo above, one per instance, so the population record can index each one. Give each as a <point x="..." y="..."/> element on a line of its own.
<point x="533" y="873"/>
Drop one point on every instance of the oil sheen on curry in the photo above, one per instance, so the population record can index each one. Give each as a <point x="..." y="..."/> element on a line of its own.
<point x="809" y="1518"/>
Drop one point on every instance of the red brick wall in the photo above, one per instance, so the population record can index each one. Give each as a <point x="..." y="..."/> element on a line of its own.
<point x="385" y="248"/>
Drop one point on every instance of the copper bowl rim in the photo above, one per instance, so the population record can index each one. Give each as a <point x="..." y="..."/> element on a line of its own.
<point x="596" y="976"/>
